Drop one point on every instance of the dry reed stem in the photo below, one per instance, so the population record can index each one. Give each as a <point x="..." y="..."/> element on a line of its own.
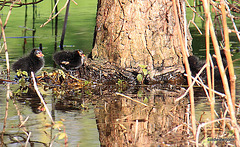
<point x="5" y="47"/>
<point x="224" y="116"/>
<point x="222" y="73"/>
<point x="26" y="143"/>
<point x="185" y="26"/>
<point x="40" y="96"/>
<point x="185" y="60"/>
<point x="211" y="96"/>
<point x="52" y="17"/>
<point x="196" y="26"/>
<point x="6" y="113"/>
<point x="204" y="124"/>
<point x="55" y="6"/>
<point x="22" y="123"/>
<point x="176" y="128"/>
<point x="190" y="86"/>
<point x="232" y="19"/>
<point x="136" y="132"/>
<point x="205" y="86"/>
<point x="9" y="13"/>
<point x="195" y="12"/>
<point x="193" y="17"/>
<point x="7" y="18"/>
<point x="131" y="99"/>
<point x="228" y="54"/>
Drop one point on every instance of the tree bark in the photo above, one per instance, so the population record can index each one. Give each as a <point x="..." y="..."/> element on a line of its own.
<point x="129" y="33"/>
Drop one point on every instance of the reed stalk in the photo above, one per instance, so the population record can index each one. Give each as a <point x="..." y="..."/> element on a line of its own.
<point x="5" y="47"/>
<point x="227" y="53"/>
<point x="222" y="73"/>
<point x="209" y="79"/>
<point x="230" y="69"/>
<point x="185" y="60"/>
<point x="6" y="114"/>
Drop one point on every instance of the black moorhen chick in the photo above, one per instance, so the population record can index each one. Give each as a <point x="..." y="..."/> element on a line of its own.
<point x="69" y="60"/>
<point x="33" y="62"/>
<point x="196" y="65"/>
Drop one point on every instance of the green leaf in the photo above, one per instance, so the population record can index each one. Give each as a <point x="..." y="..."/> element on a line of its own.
<point x="58" y="124"/>
<point x="120" y="82"/>
<point x="19" y="72"/>
<point x="86" y="82"/>
<point x="22" y="82"/>
<point x="88" y="92"/>
<point x="24" y="73"/>
<point x="145" y="71"/>
<point x="145" y="100"/>
<point x="139" y="77"/>
<point x="62" y="135"/>
<point x="25" y="91"/>
<point x="140" y="93"/>
<point x="18" y="91"/>
<point x="142" y="66"/>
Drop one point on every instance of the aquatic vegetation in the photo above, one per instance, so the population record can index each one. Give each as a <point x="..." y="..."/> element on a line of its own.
<point x="141" y="76"/>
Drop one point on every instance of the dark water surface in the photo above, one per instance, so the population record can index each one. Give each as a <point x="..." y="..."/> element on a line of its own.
<point x="80" y="112"/>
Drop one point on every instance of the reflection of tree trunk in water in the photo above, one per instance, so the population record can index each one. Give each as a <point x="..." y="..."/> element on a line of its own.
<point x="64" y="26"/>
<point x="125" y="123"/>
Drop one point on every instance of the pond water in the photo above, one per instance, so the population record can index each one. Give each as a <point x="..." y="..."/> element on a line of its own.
<point x="89" y="115"/>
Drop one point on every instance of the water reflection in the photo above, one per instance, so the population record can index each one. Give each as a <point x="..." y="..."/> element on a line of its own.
<point x="126" y="123"/>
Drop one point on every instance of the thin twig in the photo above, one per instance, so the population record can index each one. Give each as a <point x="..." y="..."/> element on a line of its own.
<point x="51" y="18"/>
<point x="232" y="19"/>
<point x="216" y="92"/>
<point x="29" y="134"/>
<point x="6" y="110"/>
<point x="190" y="86"/>
<point x="194" y="10"/>
<point x="204" y="124"/>
<point x="22" y="123"/>
<point x="131" y="99"/>
<point x="5" y="46"/>
<point x="40" y="96"/>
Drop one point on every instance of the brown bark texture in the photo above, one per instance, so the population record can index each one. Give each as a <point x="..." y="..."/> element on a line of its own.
<point x="129" y="33"/>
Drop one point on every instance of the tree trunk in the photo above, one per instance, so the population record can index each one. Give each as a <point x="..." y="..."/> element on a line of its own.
<point x="129" y="33"/>
<point x="142" y="32"/>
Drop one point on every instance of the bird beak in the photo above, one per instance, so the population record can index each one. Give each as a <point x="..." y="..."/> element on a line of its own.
<point x="40" y="54"/>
